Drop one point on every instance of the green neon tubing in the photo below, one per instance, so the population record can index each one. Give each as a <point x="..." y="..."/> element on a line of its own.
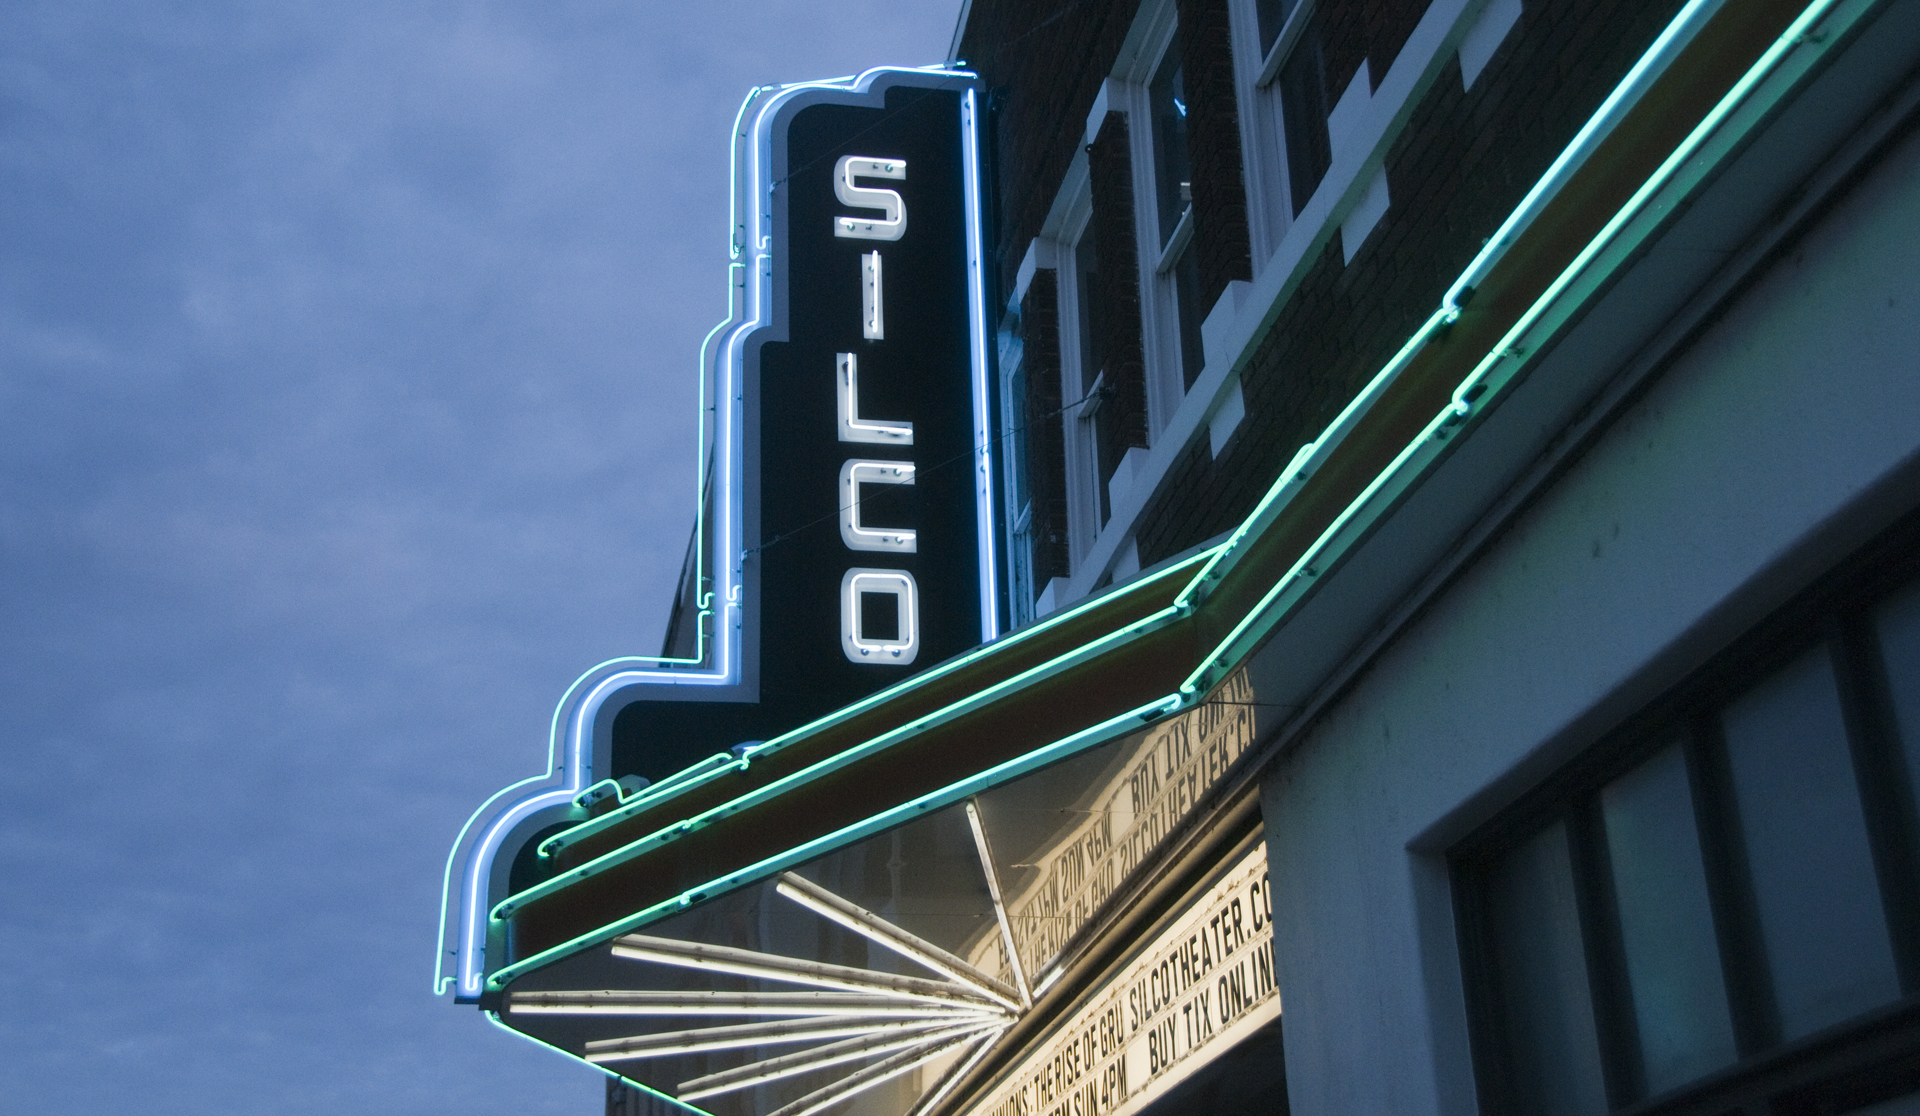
<point x="946" y="796"/>
<point x="507" y="906"/>
<point x="1574" y="155"/>
<point x="1461" y="405"/>
<point x="702" y="773"/>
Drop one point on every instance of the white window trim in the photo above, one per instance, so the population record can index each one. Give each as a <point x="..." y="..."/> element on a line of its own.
<point x="1012" y="355"/>
<point x="1082" y="454"/>
<point x="1159" y="294"/>
<point x="1263" y="147"/>
<point x="1238" y="320"/>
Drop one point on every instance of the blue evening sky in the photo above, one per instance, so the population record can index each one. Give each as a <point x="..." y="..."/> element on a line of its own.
<point x="347" y="360"/>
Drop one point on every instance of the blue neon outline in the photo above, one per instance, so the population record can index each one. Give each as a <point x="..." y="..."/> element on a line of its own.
<point x="570" y="734"/>
<point x="982" y="419"/>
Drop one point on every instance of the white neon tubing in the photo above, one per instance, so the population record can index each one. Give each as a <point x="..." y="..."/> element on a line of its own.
<point x="856" y="535"/>
<point x="958" y="1072"/>
<point x="855" y="585"/>
<point x="891" y="227"/>
<point x="984" y="849"/>
<point x="854" y="428"/>
<point x="873" y="295"/>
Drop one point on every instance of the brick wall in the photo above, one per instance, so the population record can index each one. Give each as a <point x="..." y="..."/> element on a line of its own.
<point x="1463" y="162"/>
<point x="1375" y="31"/>
<point x="1043" y="65"/>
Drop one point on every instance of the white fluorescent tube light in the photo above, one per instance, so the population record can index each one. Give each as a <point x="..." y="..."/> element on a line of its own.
<point x="732" y="1037"/>
<point x="617" y="1002"/>
<point x="768" y="966"/>
<point x="856" y="1083"/>
<point x="871" y="926"/>
<point x="985" y="851"/>
<point x="819" y="1058"/>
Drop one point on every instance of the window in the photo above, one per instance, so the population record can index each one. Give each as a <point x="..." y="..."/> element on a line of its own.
<point x="1094" y="387"/>
<point x="1719" y="904"/>
<point x="1018" y="466"/>
<point x="1304" y="106"/>
<point x="1283" y="45"/>
<point x="1173" y="190"/>
<point x="1030" y="429"/>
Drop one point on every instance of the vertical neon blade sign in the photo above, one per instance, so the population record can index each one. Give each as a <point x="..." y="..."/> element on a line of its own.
<point x="846" y="538"/>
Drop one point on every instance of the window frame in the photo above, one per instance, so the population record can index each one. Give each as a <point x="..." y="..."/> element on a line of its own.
<point x="1848" y="1059"/>
<point x="1128" y="92"/>
<point x="1263" y="134"/>
<point x="1015" y="467"/>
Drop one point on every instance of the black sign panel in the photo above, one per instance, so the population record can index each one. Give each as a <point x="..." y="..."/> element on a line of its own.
<point x="862" y="406"/>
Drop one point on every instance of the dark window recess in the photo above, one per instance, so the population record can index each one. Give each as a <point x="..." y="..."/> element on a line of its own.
<point x="1040" y="417"/>
<point x="1186" y="285"/>
<point x="1094" y="389"/>
<point x="1250" y="1078"/>
<point x="1303" y="109"/>
<point x="1121" y="420"/>
<point x="1173" y="183"/>
<point x="1018" y="444"/>
<point x="1221" y="246"/>
<point x="1172" y="170"/>
<point x="1551" y="1052"/>
<point x="1720" y="906"/>
<point x="1272" y="16"/>
<point x="1093" y="319"/>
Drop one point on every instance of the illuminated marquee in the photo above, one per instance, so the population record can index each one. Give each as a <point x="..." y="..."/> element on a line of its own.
<point x="845" y="532"/>
<point x="1201" y="985"/>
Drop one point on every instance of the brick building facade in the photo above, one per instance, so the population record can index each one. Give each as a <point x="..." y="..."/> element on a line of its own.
<point x="1333" y="173"/>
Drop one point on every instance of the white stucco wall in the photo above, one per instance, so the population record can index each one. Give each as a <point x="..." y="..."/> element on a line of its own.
<point x="1743" y="467"/>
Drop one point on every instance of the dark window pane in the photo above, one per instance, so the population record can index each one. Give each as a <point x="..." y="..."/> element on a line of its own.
<point x="1186" y="282"/>
<point x="1017" y="388"/>
<point x="1899" y="624"/>
<point x="1172" y="180"/>
<point x="1666" y="926"/>
<point x="1303" y="107"/>
<point x="1272" y="15"/>
<point x="1908" y="1105"/>
<point x="1541" y="967"/>
<point x="1086" y="271"/>
<point x="1821" y="923"/>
